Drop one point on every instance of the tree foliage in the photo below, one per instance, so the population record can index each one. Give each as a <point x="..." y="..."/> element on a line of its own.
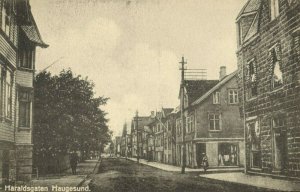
<point x="67" y="115"/>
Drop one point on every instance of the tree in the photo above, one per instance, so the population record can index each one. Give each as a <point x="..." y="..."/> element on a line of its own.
<point x="67" y="116"/>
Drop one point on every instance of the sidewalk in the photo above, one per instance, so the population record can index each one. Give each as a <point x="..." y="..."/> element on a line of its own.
<point x="68" y="180"/>
<point x="258" y="181"/>
<point x="173" y="168"/>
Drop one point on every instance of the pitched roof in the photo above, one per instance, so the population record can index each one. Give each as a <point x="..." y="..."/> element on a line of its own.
<point x="213" y="89"/>
<point x="196" y="88"/>
<point x="249" y="7"/>
<point x="32" y="32"/>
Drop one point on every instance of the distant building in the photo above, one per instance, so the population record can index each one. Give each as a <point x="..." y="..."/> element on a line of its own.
<point x="138" y="147"/>
<point x="19" y="37"/>
<point x="269" y="79"/>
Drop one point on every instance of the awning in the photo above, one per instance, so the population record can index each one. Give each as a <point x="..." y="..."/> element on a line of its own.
<point x="33" y="35"/>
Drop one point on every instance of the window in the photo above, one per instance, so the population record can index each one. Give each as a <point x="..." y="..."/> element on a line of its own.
<point x="190" y="123"/>
<point x="26" y="58"/>
<point x="251" y="79"/>
<point x="24" y="108"/>
<point x="277" y="76"/>
<point x="216" y="98"/>
<point x="178" y="126"/>
<point x="8" y="94"/>
<point x="169" y="143"/>
<point x="214" y="122"/>
<point x="275" y="56"/>
<point x="6" y="17"/>
<point x="233" y="96"/>
<point x="274" y="5"/>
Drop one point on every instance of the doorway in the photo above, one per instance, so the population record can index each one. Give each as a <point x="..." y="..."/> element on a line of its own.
<point x="280" y="150"/>
<point x="200" y="149"/>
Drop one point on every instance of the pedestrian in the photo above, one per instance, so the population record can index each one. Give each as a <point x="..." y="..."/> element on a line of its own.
<point x="205" y="162"/>
<point x="73" y="162"/>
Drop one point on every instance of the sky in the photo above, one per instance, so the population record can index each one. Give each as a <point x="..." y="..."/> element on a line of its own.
<point x="131" y="49"/>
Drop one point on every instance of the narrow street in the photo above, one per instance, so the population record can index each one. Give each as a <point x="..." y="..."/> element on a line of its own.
<point x="124" y="175"/>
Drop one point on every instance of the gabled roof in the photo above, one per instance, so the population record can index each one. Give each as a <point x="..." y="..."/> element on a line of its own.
<point x="28" y="24"/>
<point x="197" y="88"/>
<point x="216" y="87"/>
<point x="251" y="6"/>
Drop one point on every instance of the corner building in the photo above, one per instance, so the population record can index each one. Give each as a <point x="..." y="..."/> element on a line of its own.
<point x="269" y="79"/>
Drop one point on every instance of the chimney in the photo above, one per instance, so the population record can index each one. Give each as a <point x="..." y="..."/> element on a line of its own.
<point x="152" y="114"/>
<point x="222" y="72"/>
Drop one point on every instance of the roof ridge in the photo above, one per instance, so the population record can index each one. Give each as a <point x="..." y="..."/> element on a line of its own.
<point x="209" y="92"/>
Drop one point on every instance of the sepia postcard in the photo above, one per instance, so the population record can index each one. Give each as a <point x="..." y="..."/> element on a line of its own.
<point x="149" y="95"/>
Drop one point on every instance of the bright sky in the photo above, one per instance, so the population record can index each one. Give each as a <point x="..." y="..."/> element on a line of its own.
<point x="131" y="49"/>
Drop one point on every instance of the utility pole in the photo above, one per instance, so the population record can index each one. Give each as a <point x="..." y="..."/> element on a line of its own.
<point x="182" y="84"/>
<point x="137" y="136"/>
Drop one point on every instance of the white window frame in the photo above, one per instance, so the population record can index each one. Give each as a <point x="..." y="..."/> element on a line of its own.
<point x="216" y="97"/>
<point x="8" y="94"/>
<point x="214" y="119"/>
<point x="274" y="9"/>
<point x="233" y="93"/>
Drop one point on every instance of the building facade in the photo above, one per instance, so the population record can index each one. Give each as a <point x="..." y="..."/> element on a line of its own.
<point x="193" y="89"/>
<point x="19" y="37"/>
<point x="269" y="79"/>
<point x="215" y="126"/>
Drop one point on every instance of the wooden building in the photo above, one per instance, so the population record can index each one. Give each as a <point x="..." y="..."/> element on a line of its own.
<point x="19" y="37"/>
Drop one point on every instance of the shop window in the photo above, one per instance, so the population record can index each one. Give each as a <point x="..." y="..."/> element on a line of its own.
<point x="214" y="122"/>
<point x="228" y="154"/>
<point x="24" y="108"/>
<point x="233" y="96"/>
<point x="216" y="97"/>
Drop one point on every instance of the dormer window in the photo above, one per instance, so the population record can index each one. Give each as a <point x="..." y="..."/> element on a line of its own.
<point x="274" y="5"/>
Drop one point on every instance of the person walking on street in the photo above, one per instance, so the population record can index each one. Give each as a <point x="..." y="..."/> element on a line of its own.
<point x="205" y="162"/>
<point x="73" y="162"/>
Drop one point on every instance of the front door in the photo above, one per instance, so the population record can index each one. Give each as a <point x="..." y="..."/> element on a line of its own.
<point x="200" y="150"/>
<point x="280" y="150"/>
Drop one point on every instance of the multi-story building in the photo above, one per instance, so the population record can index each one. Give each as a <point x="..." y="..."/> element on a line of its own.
<point x="19" y="37"/>
<point x="138" y="138"/>
<point x="214" y="126"/>
<point x="193" y="89"/>
<point x="269" y="79"/>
